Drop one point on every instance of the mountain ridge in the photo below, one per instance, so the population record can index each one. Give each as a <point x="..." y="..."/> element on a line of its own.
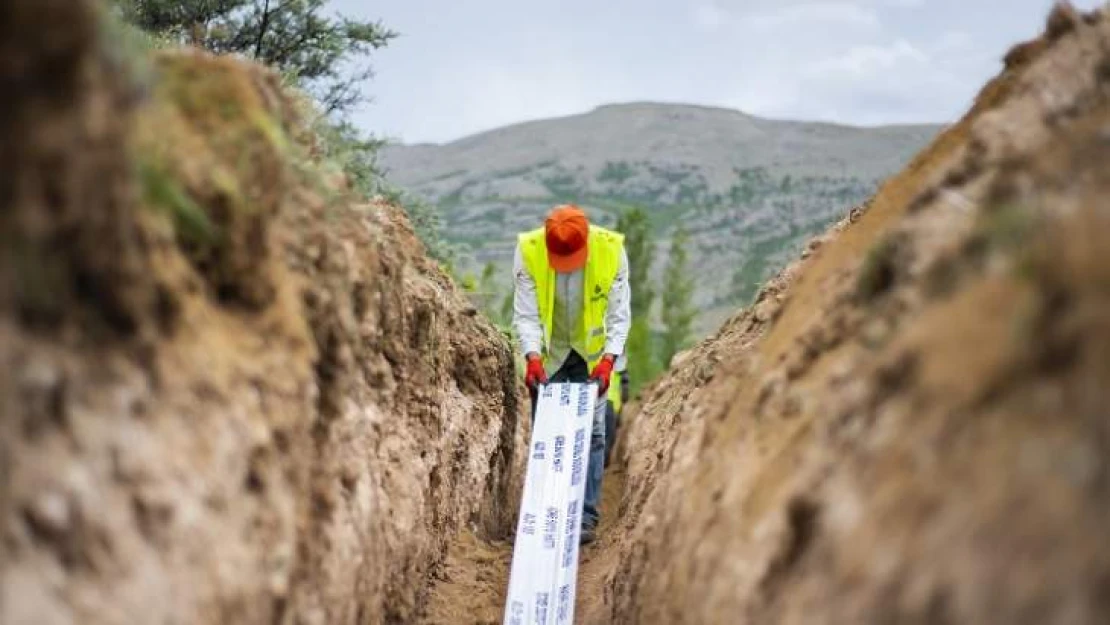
<point x="749" y="190"/>
<point x="664" y="104"/>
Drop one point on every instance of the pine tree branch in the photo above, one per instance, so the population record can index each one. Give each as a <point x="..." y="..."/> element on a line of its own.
<point x="262" y="29"/>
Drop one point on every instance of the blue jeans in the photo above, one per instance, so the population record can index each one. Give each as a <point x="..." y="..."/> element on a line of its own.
<point x="575" y="369"/>
<point x="591" y="510"/>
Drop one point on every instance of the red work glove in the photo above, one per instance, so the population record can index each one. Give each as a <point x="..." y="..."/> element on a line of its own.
<point x="534" y="375"/>
<point x="602" y="372"/>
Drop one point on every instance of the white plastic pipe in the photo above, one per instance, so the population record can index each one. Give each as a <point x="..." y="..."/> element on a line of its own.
<point x="545" y="555"/>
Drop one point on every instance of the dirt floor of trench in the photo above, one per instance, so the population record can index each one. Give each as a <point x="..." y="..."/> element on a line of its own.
<point x="471" y="584"/>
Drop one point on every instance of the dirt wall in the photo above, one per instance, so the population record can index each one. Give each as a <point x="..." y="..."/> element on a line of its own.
<point x="230" y="393"/>
<point x="911" y="424"/>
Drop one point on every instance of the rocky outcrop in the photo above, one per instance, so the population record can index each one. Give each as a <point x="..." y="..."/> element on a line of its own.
<point x="911" y="425"/>
<point x="231" y="393"/>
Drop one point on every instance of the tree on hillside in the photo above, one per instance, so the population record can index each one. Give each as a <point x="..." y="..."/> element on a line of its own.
<point x="677" y="307"/>
<point x="640" y="248"/>
<point x="326" y="54"/>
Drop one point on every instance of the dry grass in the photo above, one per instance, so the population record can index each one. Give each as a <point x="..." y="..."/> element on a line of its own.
<point x="213" y="152"/>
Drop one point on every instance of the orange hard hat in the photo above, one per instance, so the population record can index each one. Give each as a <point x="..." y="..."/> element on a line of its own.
<point x="567" y="231"/>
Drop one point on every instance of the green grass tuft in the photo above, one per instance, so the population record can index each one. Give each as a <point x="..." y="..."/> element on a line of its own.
<point x="162" y="191"/>
<point x="879" y="270"/>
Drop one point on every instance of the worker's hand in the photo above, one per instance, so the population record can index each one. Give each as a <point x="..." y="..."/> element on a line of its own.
<point x="534" y="375"/>
<point x="602" y="372"/>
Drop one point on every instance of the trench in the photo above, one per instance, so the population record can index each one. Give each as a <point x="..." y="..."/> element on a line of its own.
<point x="471" y="584"/>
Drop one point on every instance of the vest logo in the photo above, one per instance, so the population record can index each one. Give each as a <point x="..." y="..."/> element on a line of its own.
<point x="599" y="294"/>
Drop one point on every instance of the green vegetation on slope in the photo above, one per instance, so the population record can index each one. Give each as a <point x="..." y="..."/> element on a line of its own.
<point x="324" y="54"/>
<point x="642" y="356"/>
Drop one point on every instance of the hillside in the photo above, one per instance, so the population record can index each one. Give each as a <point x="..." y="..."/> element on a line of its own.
<point x="749" y="190"/>
<point x="233" y="392"/>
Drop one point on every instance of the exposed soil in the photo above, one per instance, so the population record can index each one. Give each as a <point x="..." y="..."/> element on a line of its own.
<point x="911" y="424"/>
<point x="233" y="393"/>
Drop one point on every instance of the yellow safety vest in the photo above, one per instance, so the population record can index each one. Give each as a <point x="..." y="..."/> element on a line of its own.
<point x="602" y="265"/>
<point x="615" y="391"/>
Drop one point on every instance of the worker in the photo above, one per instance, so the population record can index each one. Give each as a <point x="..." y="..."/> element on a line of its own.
<point x="572" y="312"/>
<point x="618" y="397"/>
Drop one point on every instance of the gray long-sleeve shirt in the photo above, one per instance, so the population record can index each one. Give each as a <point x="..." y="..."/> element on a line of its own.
<point x="568" y="313"/>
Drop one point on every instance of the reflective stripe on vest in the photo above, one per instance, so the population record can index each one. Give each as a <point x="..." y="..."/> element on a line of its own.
<point x="602" y="265"/>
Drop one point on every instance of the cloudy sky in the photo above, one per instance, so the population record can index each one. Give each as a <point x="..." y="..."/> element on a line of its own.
<point x="463" y="66"/>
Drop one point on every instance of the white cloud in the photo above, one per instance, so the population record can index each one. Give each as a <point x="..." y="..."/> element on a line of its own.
<point x="464" y="67"/>
<point x="870" y="60"/>
<point x="709" y="16"/>
<point x="955" y="42"/>
<point x="842" y="13"/>
<point x="885" y="83"/>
